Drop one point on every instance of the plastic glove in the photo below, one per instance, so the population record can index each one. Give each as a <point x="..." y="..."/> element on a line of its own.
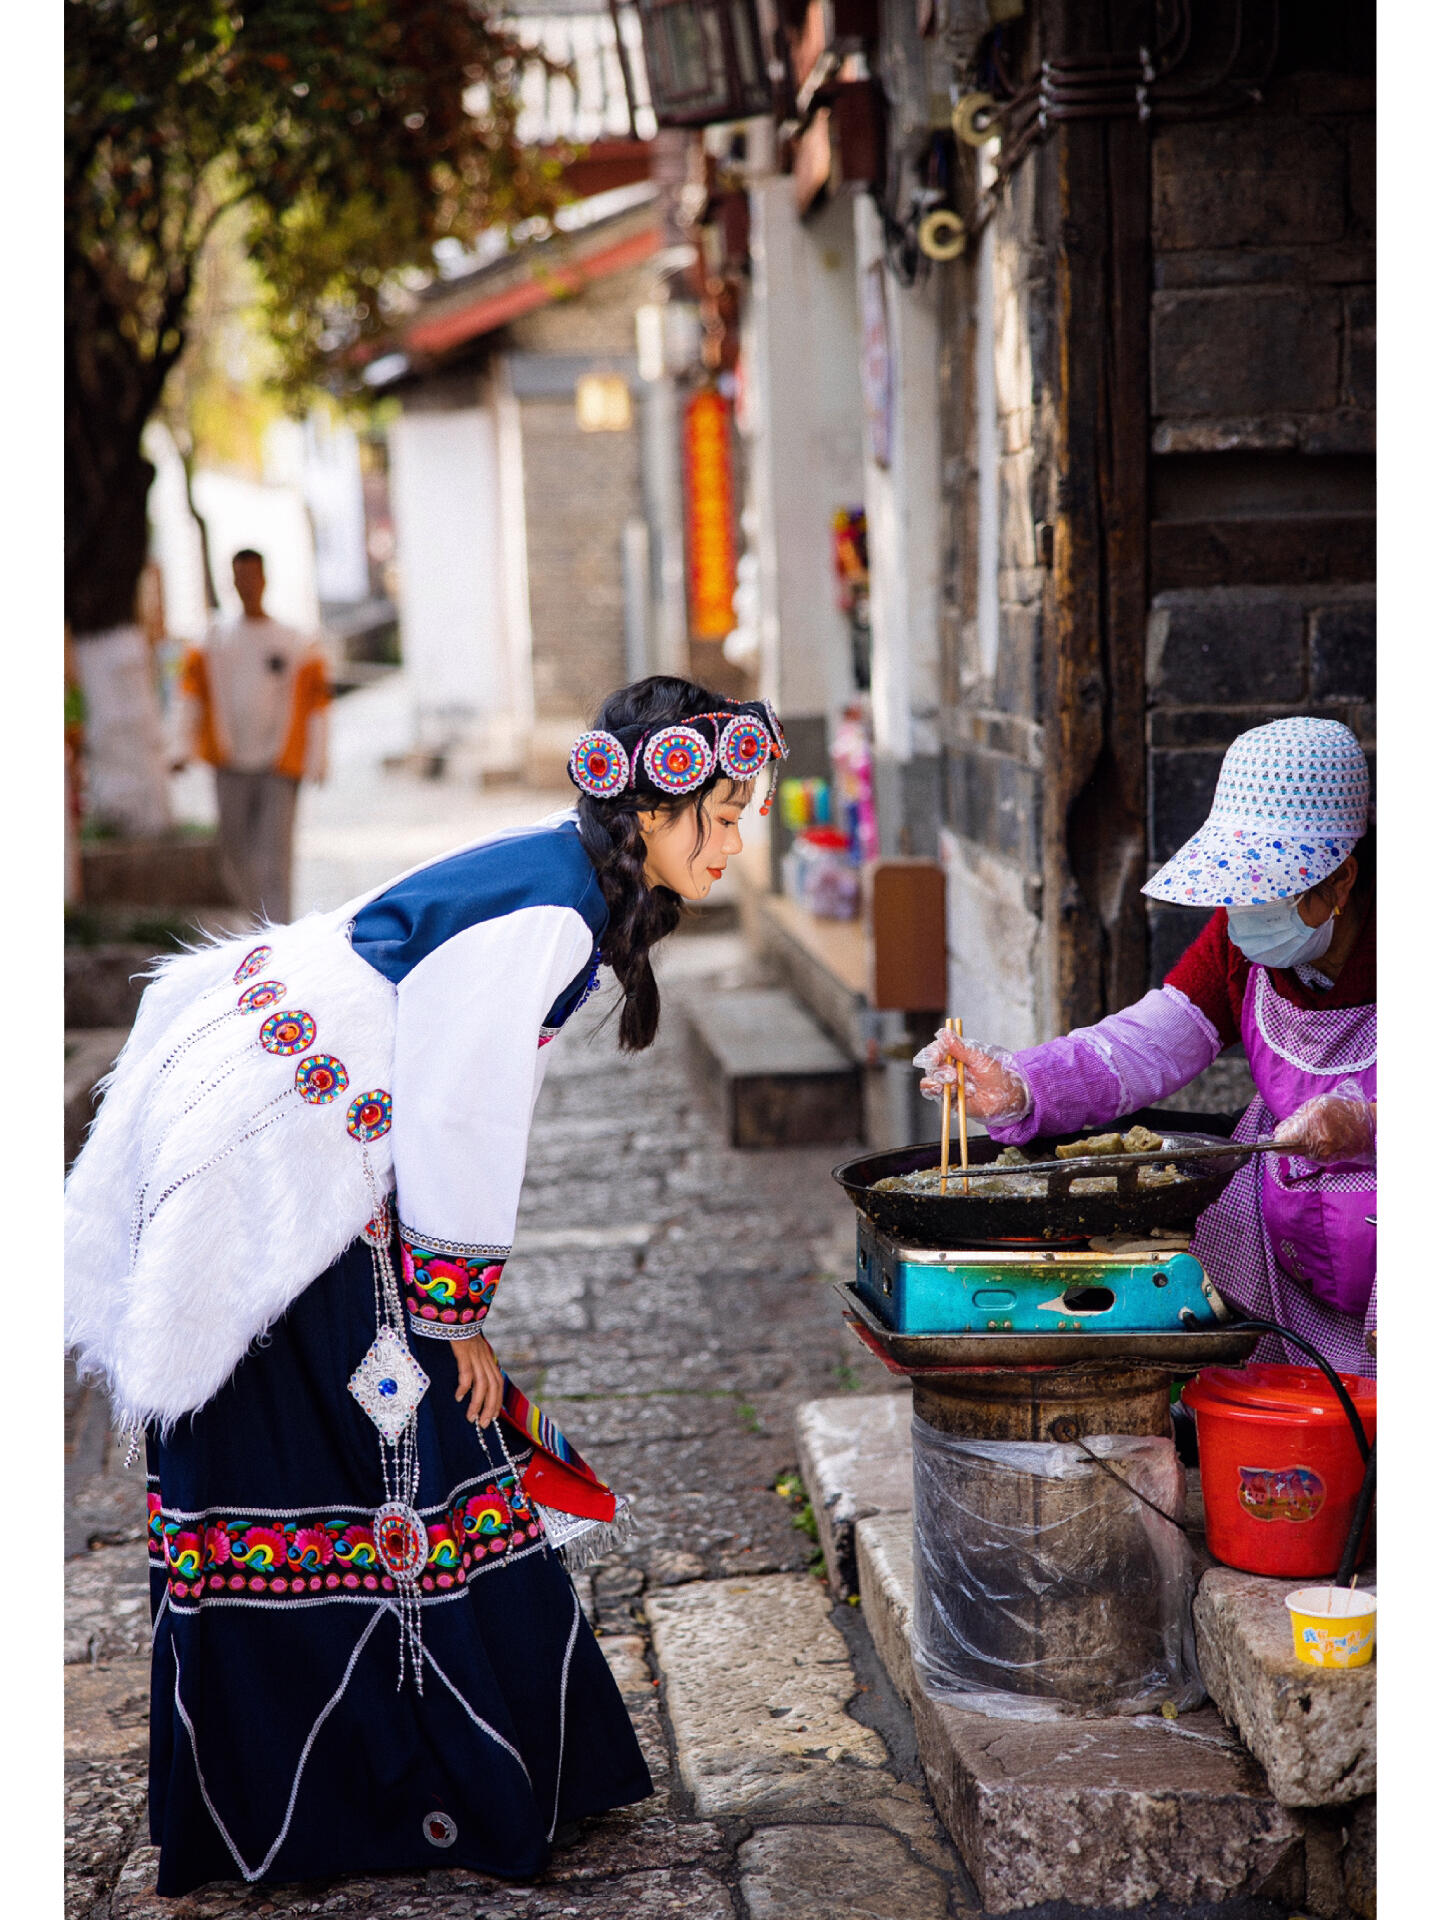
<point x="1332" y="1126"/>
<point x="995" y="1091"/>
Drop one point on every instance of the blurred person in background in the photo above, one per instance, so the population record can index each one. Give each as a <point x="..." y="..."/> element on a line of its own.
<point x="252" y="701"/>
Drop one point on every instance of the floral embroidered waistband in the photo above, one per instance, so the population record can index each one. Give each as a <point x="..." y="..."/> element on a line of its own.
<point x="317" y="1556"/>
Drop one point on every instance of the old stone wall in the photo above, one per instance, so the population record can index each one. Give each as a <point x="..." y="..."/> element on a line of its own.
<point x="1262" y="376"/>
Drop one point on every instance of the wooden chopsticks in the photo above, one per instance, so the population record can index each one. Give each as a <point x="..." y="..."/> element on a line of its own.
<point x="957" y="1027"/>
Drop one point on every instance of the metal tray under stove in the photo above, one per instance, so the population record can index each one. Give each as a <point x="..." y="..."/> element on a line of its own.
<point x="930" y="1353"/>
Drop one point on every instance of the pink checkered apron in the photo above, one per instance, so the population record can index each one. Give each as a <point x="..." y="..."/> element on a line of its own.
<point x="1290" y="1240"/>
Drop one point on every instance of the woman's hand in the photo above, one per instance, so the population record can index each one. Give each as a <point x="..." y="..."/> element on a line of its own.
<point x="994" y="1091"/>
<point x="1333" y="1126"/>
<point x="480" y="1377"/>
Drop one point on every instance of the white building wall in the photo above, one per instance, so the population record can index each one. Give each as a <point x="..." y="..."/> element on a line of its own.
<point x="902" y="513"/>
<point x="802" y="351"/>
<point x="444" y="482"/>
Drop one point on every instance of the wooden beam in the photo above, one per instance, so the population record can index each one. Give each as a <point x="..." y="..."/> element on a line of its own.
<point x="1095" y="189"/>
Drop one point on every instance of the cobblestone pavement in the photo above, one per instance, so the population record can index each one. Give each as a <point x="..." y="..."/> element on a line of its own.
<point x="668" y="1301"/>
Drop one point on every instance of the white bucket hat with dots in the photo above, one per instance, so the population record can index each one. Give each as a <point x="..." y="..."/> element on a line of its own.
<point x="1292" y="800"/>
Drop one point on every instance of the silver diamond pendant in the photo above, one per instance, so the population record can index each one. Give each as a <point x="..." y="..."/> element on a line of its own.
<point x="389" y="1383"/>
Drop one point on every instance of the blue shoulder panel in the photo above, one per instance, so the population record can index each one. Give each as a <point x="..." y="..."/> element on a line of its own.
<point x="546" y="868"/>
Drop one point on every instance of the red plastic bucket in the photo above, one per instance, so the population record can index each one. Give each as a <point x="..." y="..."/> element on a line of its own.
<point x="1279" y="1468"/>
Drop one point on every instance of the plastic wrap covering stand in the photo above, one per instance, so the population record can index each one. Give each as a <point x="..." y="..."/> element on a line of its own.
<point x="1044" y="1586"/>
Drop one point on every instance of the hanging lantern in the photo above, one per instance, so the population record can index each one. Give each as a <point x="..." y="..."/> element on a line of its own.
<point x="704" y="61"/>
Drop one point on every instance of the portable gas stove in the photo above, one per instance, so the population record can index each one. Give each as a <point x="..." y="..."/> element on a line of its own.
<point x="1009" y="1315"/>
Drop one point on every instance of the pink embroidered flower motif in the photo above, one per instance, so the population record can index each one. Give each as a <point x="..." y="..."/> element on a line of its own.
<point x="217" y="1546"/>
<point x="444" y="1554"/>
<point x="356" y="1547"/>
<point x="261" y="1549"/>
<point x="482" y="1289"/>
<point x="311" y="1549"/>
<point x="183" y="1554"/>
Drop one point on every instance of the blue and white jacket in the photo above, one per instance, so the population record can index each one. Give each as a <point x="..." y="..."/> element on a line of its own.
<point x="277" y="1087"/>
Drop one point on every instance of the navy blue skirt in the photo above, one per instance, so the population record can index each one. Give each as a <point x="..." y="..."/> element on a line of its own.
<point x="281" y="1747"/>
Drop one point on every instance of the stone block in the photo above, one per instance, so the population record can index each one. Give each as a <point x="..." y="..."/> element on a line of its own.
<point x="1182" y="785"/>
<point x="1342" y="651"/>
<point x="1017" y="668"/>
<point x="756" y="1681"/>
<point x="1245" y="350"/>
<point x="782" y="1079"/>
<point x="1311" y="1728"/>
<point x="855" y="1461"/>
<point x="1358" y="1860"/>
<point x="1226" y="646"/>
<point x="837" y="1873"/>
<point x="1104" y="1812"/>
<point x="1357" y="381"/>
<point x="1254" y="180"/>
<point x="996" y="803"/>
<point x="107" y="1709"/>
<point x="885" y="1569"/>
<point x="1362" y="174"/>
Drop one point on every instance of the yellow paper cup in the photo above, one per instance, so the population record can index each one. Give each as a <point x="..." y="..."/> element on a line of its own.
<point x="1332" y="1626"/>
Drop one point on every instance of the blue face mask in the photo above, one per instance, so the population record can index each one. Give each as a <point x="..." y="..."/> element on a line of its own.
<point x="1276" y="936"/>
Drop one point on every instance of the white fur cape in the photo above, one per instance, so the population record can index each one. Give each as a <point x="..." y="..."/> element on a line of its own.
<point x="242" y="1191"/>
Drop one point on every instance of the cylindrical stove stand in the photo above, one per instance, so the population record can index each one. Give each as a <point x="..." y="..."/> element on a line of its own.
<point x="1034" y="1584"/>
<point x="1022" y="1403"/>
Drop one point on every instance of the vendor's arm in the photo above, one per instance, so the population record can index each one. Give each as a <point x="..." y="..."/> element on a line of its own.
<point x="468" y="1065"/>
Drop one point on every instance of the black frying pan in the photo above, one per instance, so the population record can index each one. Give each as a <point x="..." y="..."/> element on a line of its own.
<point x="958" y="1220"/>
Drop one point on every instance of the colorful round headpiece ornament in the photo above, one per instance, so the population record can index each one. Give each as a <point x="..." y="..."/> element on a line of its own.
<point x="744" y="748"/>
<point x="678" y="759"/>
<point x="599" y="766"/>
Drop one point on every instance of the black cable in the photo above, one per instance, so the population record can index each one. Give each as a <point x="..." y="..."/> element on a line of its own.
<point x="1358" y="1524"/>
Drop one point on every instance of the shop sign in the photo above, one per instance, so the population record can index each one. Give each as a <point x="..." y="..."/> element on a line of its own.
<point x="710" y="515"/>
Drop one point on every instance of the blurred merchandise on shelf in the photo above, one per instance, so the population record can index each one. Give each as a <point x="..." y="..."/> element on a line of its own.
<point x="805" y="803"/>
<point x="853" y="802"/>
<point x="850" y="551"/>
<point x="821" y="876"/>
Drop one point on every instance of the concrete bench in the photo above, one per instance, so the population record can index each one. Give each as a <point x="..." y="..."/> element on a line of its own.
<point x="780" y="1078"/>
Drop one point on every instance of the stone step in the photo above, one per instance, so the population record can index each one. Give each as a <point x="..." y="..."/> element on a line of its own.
<point x="1109" y="1812"/>
<point x="780" y="1078"/>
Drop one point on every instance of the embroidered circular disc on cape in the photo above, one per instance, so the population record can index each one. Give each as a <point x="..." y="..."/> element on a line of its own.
<point x="678" y="759"/>
<point x="439" y="1829"/>
<point x="263" y="994"/>
<point x="744" y="748"/>
<point x="598" y="765"/>
<point x="252" y="963"/>
<point x="368" y="1117"/>
<point x="400" y="1539"/>
<point x="287" y="1032"/>
<point x="321" y="1079"/>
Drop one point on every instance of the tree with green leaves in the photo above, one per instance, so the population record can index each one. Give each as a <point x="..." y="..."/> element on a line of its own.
<point x="344" y="137"/>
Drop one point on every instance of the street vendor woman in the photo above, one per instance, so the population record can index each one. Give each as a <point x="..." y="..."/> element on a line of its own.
<point x="1286" y="966"/>
<point x="283" y="1235"/>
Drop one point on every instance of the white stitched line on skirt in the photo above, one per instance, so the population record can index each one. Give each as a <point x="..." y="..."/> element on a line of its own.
<point x="345" y="1506"/>
<point x="159" y="1616"/>
<point x="479" y="1719"/>
<point x="320" y="1720"/>
<point x="1264" y="990"/>
<point x="564" y="1684"/>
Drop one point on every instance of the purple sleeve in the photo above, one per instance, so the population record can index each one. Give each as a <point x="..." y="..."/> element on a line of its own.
<point x="1125" y="1062"/>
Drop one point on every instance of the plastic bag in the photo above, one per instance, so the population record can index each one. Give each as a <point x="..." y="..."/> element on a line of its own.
<point x="1043" y="1586"/>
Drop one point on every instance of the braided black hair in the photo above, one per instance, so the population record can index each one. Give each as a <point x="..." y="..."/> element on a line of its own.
<point x="610" y="833"/>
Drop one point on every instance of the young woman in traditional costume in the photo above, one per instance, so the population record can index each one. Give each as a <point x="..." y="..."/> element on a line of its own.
<point x="1285" y="965"/>
<point x="282" y="1238"/>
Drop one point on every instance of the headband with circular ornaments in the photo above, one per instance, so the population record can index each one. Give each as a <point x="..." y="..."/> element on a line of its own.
<point x="677" y="758"/>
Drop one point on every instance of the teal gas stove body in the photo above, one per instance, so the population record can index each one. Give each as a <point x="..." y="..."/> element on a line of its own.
<point x="1033" y="1289"/>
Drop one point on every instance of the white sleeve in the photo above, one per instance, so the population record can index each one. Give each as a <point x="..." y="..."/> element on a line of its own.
<point x="468" y="1065"/>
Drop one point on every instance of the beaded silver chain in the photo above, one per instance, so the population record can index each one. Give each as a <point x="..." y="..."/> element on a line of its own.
<point x="400" y="1458"/>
